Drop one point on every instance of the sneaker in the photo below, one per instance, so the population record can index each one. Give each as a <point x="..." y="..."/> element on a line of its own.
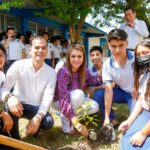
<point x="67" y="126"/>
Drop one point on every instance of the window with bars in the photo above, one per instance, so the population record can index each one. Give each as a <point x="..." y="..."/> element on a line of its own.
<point x="9" y="20"/>
<point x="33" y="27"/>
<point x="37" y="29"/>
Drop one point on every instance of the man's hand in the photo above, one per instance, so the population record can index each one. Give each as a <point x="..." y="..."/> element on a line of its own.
<point x="7" y="120"/>
<point x="130" y="24"/>
<point x="15" y="106"/>
<point x="33" y="126"/>
<point x="106" y="121"/>
<point x="138" y="139"/>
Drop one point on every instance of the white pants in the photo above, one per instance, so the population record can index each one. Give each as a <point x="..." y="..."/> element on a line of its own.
<point x="77" y="99"/>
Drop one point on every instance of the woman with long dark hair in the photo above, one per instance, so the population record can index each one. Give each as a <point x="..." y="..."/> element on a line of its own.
<point x="137" y="126"/>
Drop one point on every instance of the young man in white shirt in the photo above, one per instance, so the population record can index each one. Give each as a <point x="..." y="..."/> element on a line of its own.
<point x="136" y="29"/>
<point x="118" y="69"/>
<point x="15" y="48"/>
<point x="56" y="50"/>
<point x="45" y="35"/>
<point x="34" y="85"/>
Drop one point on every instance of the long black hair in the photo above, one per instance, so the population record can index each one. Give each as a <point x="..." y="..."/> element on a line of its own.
<point x="138" y="70"/>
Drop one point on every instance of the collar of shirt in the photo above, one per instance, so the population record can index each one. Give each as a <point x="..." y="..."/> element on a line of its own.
<point x="130" y="55"/>
<point x="32" y="67"/>
<point x="136" y="20"/>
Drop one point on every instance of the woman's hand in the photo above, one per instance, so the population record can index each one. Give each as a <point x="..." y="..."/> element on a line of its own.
<point x="82" y="129"/>
<point x="7" y="120"/>
<point x="138" y="139"/>
<point x="124" y="126"/>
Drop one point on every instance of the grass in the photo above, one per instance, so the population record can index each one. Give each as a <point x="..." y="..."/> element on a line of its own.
<point x="55" y="139"/>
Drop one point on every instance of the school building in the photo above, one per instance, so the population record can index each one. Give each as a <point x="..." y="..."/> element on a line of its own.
<point x="25" y="20"/>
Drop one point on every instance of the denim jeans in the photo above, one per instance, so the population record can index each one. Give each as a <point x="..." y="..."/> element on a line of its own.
<point x="29" y="111"/>
<point x="119" y="96"/>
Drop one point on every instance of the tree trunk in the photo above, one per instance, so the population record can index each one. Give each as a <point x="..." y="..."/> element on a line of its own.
<point x="79" y="28"/>
<point x="72" y="33"/>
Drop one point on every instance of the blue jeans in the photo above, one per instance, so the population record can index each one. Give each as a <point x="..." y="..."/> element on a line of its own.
<point x="29" y="111"/>
<point x="119" y="96"/>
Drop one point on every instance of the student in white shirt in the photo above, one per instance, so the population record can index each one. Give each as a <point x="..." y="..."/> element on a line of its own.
<point x="45" y="35"/>
<point x="117" y="68"/>
<point x="34" y="84"/>
<point x="14" y="47"/>
<point x="56" y="50"/>
<point x="136" y="29"/>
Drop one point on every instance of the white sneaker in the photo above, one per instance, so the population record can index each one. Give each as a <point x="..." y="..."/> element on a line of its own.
<point x="67" y="126"/>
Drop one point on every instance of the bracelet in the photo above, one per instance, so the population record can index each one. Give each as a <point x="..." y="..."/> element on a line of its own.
<point x="38" y="117"/>
<point x="8" y="96"/>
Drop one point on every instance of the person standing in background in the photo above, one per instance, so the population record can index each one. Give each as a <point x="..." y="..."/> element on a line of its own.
<point x="28" y="38"/>
<point x="45" y="35"/>
<point x="56" y="50"/>
<point x="13" y="46"/>
<point x="136" y="29"/>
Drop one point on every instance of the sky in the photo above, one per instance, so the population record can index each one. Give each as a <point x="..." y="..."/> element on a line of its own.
<point x="90" y="20"/>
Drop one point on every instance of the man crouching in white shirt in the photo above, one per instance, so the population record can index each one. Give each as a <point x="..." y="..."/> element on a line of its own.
<point x="34" y="84"/>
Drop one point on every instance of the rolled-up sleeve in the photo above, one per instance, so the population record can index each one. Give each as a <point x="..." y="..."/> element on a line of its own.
<point x="106" y="74"/>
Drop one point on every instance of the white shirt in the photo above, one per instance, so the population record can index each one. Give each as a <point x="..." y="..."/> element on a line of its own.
<point x="122" y="76"/>
<point x="60" y="64"/>
<point x="57" y="50"/>
<point x="136" y="34"/>
<point x="15" y="48"/>
<point x="27" y="47"/>
<point x="142" y="89"/>
<point x="34" y="88"/>
<point x="49" y="48"/>
<point x="2" y="79"/>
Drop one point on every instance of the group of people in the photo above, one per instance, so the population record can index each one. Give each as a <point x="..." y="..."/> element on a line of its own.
<point x="18" y="46"/>
<point x="31" y="87"/>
